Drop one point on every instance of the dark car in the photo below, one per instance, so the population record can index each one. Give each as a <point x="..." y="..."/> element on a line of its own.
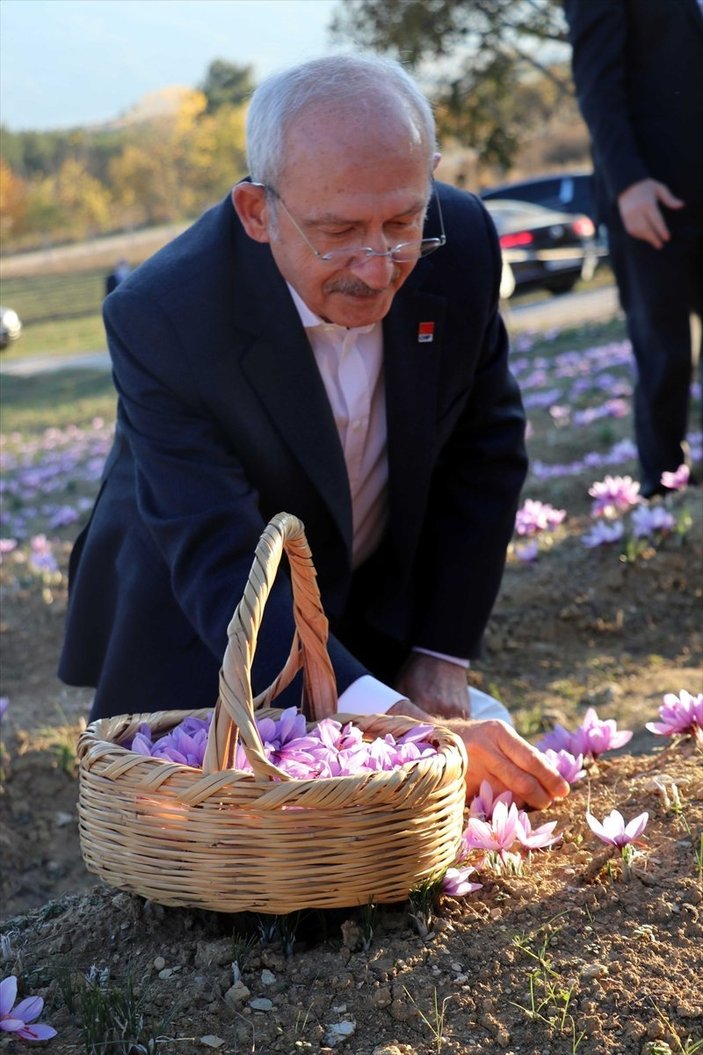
<point x="542" y="247"/>
<point x="571" y="192"/>
<point x="10" y="326"/>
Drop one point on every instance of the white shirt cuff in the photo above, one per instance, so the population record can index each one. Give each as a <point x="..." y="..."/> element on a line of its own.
<point x="367" y="695"/>
<point x="465" y="663"/>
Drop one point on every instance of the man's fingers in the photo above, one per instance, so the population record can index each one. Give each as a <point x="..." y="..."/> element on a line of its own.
<point x="666" y="197"/>
<point x="528" y="759"/>
<point x="499" y="755"/>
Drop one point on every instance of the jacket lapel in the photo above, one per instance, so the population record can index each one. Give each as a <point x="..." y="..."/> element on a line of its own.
<point x="411" y="375"/>
<point x="280" y="366"/>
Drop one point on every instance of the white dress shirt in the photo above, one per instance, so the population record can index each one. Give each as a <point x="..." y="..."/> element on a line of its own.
<point x="350" y="361"/>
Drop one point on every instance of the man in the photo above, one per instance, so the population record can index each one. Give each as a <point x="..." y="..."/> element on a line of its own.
<point x="638" y="68"/>
<point x="294" y="351"/>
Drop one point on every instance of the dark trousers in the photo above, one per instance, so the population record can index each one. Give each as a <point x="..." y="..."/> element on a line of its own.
<point x="661" y="292"/>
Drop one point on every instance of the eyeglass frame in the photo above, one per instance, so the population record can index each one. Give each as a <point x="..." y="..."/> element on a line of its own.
<point x="367" y="251"/>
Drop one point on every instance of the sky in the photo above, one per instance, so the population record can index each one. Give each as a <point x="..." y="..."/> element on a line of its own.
<point x="65" y="63"/>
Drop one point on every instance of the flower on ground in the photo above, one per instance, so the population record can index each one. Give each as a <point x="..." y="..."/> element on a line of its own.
<point x="592" y="738"/>
<point x="613" y="495"/>
<point x="652" y="520"/>
<point x="536" y="516"/>
<point x="16" y="1018"/>
<point x="677" y="481"/>
<point x="483" y="804"/>
<point x="603" y="533"/>
<point x="456" y="882"/>
<point x="528" y="551"/>
<point x="614" y="830"/>
<point x="679" y="714"/>
<point x="4" y="704"/>
<point x="498" y="834"/>
<point x="540" y="837"/>
<point x="569" y="766"/>
<point x="42" y="558"/>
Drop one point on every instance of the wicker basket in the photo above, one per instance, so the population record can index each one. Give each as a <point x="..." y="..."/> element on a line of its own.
<point x="221" y="839"/>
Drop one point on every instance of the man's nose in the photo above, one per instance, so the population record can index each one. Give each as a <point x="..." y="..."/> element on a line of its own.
<point x="377" y="270"/>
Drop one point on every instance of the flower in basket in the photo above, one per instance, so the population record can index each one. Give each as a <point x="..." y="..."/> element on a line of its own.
<point x="682" y="714"/>
<point x="329" y="749"/>
<point x="18" y="1019"/>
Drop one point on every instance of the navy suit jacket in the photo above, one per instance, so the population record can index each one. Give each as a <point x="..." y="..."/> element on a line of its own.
<point x="638" y="69"/>
<point x="223" y="421"/>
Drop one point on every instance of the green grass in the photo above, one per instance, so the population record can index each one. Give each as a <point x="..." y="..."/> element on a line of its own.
<point x="43" y="298"/>
<point x="57" y="338"/>
<point x="60" y="313"/>
<point x="57" y="398"/>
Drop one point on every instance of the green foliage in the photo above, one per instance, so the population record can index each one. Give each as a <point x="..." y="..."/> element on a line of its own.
<point x="69" y="185"/>
<point x="493" y="80"/>
<point x="227" y="84"/>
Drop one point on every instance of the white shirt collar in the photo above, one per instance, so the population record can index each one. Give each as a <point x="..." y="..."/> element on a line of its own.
<point x="310" y="320"/>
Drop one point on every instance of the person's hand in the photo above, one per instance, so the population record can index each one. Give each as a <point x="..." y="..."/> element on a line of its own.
<point x="437" y="686"/>
<point x="640" y="213"/>
<point x="497" y="754"/>
<point x="509" y="763"/>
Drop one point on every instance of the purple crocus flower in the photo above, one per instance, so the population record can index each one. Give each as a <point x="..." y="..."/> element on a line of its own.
<point x="679" y="714"/>
<point x="498" y="834"/>
<point x="613" y="495"/>
<point x="327" y="750"/>
<point x="652" y="520"/>
<point x="456" y="882"/>
<point x="536" y="516"/>
<point x="537" y="838"/>
<point x="594" y="736"/>
<point x="603" y="533"/>
<point x="4" y="704"/>
<point x="526" y="552"/>
<point x="614" y="830"/>
<point x="482" y="805"/>
<point x="569" y="766"/>
<point x="16" y="1018"/>
<point x="677" y="481"/>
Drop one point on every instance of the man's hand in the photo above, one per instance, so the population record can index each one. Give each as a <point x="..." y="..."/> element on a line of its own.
<point x="640" y="212"/>
<point x="437" y="686"/>
<point x="497" y="754"/>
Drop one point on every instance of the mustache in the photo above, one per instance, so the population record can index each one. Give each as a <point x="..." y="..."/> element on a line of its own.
<point x="352" y="287"/>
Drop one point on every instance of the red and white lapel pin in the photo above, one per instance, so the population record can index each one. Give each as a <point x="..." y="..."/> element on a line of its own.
<point x="425" y="332"/>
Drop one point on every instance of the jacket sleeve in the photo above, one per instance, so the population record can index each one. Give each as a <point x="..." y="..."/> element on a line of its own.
<point x="598" y="32"/>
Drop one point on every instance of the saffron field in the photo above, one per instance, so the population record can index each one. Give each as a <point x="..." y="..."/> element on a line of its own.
<point x="577" y="945"/>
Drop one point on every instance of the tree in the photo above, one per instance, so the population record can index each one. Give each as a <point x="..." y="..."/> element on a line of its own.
<point x="481" y="52"/>
<point x="226" y="84"/>
<point x="13" y="200"/>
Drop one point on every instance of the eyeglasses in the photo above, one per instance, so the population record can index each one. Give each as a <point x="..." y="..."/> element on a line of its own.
<point x="353" y="255"/>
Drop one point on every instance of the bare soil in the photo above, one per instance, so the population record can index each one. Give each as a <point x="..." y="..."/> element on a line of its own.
<point x="567" y="957"/>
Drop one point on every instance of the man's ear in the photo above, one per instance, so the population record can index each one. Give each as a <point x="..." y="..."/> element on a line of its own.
<point x="249" y="200"/>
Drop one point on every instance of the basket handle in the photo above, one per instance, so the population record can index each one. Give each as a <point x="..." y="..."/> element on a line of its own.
<point x="235" y="707"/>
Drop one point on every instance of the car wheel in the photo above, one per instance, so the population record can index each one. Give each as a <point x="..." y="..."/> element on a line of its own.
<point x="562" y="285"/>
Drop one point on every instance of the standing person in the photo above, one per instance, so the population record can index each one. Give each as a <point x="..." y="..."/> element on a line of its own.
<point x="118" y="274"/>
<point x="326" y="341"/>
<point x="638" y="69"/>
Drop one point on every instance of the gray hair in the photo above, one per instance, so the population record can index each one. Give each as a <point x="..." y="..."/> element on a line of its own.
<point x="342" y="79"/>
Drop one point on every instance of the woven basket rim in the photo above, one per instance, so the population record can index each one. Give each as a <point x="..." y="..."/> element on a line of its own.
<point x="448" y="744"/>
